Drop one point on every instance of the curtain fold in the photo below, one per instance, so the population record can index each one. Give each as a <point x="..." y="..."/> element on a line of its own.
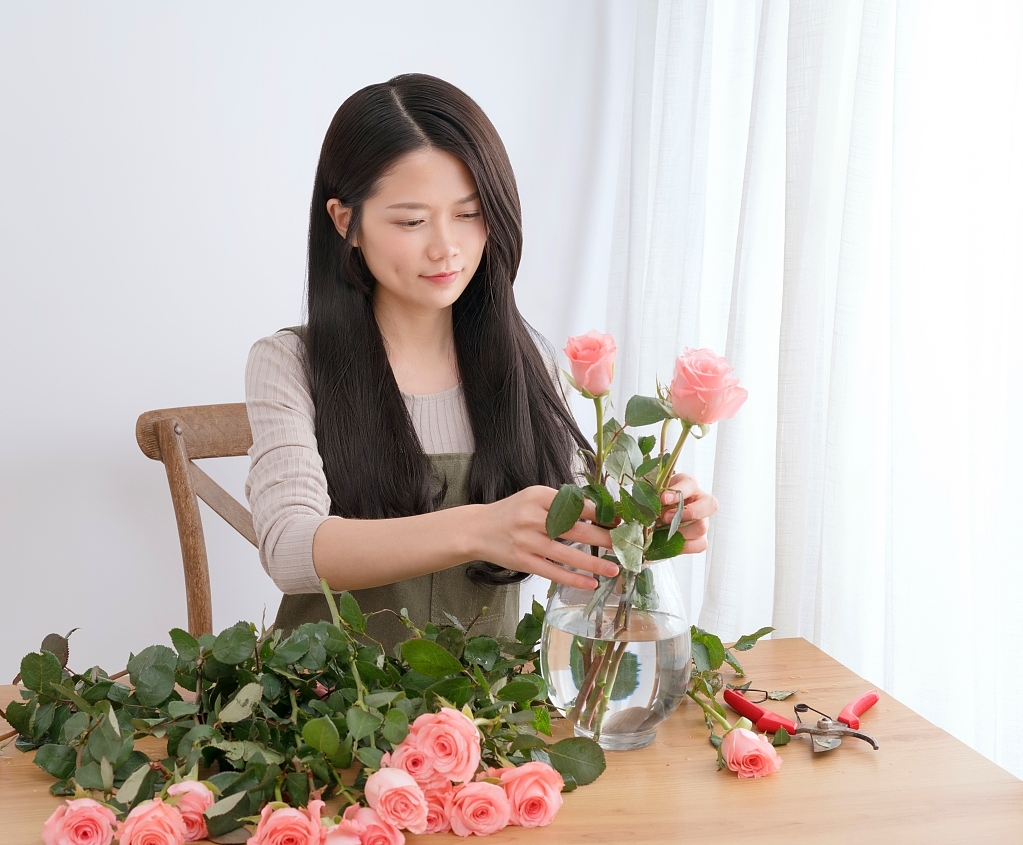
<point x="830" y="195"/>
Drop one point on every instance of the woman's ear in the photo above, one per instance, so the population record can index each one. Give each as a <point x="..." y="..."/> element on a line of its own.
<point x="341" y="215"/>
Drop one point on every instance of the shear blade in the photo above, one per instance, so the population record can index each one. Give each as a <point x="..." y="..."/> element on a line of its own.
<point x="825" y="743"/>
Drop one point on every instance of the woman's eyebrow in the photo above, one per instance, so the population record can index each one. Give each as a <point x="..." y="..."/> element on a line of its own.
<point x="416" y="206"/>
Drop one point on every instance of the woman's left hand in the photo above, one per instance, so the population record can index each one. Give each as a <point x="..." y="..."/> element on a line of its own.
<point x="698" y="507"/>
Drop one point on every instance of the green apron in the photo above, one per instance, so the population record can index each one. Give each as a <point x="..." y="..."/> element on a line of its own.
<point x="427" y="597"/>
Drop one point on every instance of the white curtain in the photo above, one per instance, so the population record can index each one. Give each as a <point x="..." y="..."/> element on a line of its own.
<point x="831" y="195"/>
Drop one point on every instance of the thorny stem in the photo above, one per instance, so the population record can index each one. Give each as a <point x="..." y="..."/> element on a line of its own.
<point x="584" y="688"/>
<point x="598" y="470"/>
<point x="612" y="676"/>
<point x="711" y="713"/>
<point x="669" y="468"/>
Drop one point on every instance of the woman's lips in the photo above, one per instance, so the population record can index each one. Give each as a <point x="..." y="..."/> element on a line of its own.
<point x="443" y="278"/>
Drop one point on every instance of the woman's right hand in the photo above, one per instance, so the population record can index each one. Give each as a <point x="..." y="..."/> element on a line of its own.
<point x="512" y="533"/>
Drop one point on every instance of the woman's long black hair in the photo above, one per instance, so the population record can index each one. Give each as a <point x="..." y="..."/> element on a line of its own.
<point x="373" y="460"/>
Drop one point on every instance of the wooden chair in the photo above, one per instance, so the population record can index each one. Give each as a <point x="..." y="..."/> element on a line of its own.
<point x="179" y="437"/>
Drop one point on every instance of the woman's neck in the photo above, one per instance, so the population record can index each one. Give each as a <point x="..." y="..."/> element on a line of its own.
<point x="420" y="347"/>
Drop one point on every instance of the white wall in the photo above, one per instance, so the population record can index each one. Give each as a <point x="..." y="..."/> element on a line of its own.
<point x="156" y="163"/>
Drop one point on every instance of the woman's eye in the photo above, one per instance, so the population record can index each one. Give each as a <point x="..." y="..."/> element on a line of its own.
<point x="409" y="224"/>
<point x="470" y="215"/>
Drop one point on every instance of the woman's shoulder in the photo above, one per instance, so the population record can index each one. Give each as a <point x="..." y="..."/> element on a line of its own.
<point x="277" y="358"/>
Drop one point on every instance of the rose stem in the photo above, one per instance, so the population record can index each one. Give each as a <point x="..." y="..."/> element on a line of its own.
<point x="584" y="688"/>
<point x="665" y="474"/>
<point x="612" y="676"/>
<point x="597" y="693"/>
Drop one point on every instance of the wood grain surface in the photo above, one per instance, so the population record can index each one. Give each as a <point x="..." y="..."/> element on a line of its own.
<point x="921" y="786"/>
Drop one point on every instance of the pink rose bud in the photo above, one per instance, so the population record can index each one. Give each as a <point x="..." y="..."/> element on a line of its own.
<point x="152" y="823"/>
<point x="81" y="821"/>
<point x="289" y="826"/>
<point x="703" y="390"/>
<point x="749" y="754"/>
<point x="451" y="742"/>
<point x="398" y="799"/>
<point x="377" y="831"/>
<point x="194" y="799"/>
<point x="481" y="808"/>
<point x="348" y="831"/>
<point x="409" y="758"/>
<point x="534" y="792"/>
<point x="591" y="357"/>
<point x="437" y="820"/>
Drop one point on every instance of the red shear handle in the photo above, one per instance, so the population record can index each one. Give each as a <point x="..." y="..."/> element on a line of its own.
<point x="767" y="720"/>
<point x="851" y="712"/>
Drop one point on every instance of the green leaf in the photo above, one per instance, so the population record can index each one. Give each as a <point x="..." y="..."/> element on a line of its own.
<point x="361" y="723"/>
<point x="676" y="520"/>
<point x="781" y="737"/>
<point x="780" y="695"/>
<point x="379" y="699"/>
<point x="578" y="757"/>
<point x="370" y="757"/>
<point x="529" y="629"/>
<point x="645" y="410"/>
<point x="106" y="774"/>
<point x="234" y="644"/>
<point x="524" y="688"/>
<point x="322" y="735"/>
<point x="542" y="719"/>
<point x="457" y="690"/>
<point x="187" y="646"/>
<point x="180" y="709"/>
<point x="747" y="641"/>
<point x="395" y="727"/>
<point x="715" y="650"/>
<point x="602" y="499"/>
<point x="618" y="466"/>
<point x="74" y="726"/>
<point x="627" y="677"/>
<point x="19" y="715"/>
<point x="733" y="661"/>
<point x="89" y="776"/>
<point x="647" y="443"/>
<point x="224" y="805"/>
<point x="349" y="610"/>
<point x="662" y="548"/>
<point x="627" y="541"/>
<point x="526" y="741"/>
<point x="565" y="510"/>
<point x="430" y="659"/>
<point x="647" y="466"/>
<point x="152" y="673"/>
<point x="645" y="582"/>
<point x="241" y="706"/>
<point x="645" y="495"/>
<point x="700" y="656"/>
<point x="483" y="651"/>
<point x="38" y="671"/>
<point x="57" y="760"/>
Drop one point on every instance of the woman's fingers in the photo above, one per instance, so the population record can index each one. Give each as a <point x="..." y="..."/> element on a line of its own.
<point x="589" y="535"/>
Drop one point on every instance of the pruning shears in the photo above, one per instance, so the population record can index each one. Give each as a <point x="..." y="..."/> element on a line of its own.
<point x="825" y="734"/>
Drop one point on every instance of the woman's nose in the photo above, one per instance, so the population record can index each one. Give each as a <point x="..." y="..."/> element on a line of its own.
<point x="443" y="244"/>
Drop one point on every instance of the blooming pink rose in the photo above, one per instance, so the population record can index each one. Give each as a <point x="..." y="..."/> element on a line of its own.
<point x="195" y="799"/>
<point x="288" y="826"/>
<point x="703" y="389"/>
<point x="397" y="798"/>
<point x="481" y="808"/>
<point x="450" y="740"/>
<point x="437" y="820"/>
<point x="377" y="831"/>
<point x="81" y="821"/>
<point x="749" y="754"/>
<point x="152" y="823"/>
<point x="534" y="792"/>
<point x="409" y="758"/>
<point x="349" y="831"/>
<point x="591" y="357"/>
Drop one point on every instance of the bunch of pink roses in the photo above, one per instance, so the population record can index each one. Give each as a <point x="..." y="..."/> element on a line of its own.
<point x="83" y="821"/>
<point x="428" y="784"/>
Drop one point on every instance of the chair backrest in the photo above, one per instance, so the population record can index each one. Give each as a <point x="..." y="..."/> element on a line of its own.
<point x="178" y="437"/>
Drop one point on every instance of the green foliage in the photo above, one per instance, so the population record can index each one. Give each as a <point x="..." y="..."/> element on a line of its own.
<point x="283" y="714"/>
<point x="565" y="510"/>
<point x="646" y="410"/>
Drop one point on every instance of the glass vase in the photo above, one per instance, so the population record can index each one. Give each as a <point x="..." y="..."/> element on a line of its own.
<point x="616" y="659"/>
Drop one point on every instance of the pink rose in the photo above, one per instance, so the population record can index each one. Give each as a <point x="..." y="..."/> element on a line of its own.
<point x="195" y="799"/>
<point x="81" y="821"/>
<point x="398" y="799"/>
<point x="749" y="754"/>
<point x="481" y="808"/>
<point x="703" y="390"/>
<point x="591" y="357"/>
<point x="450" y="740"/>
<point x="534" y="792"/>
<point x="348" y="831"/>
<point x="288" y="826"/>
<point x="409" y="758"/>
<point x="377" y="831"/>
<point x="437" y="820"/>
<point x="152" y="823"/>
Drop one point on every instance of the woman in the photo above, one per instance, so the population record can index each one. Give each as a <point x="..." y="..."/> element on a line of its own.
<point x="408" y="441"/>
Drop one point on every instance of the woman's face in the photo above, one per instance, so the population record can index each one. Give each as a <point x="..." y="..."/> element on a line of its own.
<point x="422" y="234"/>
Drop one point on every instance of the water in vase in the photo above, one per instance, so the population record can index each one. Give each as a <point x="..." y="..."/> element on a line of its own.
<point x="641" y="674"/>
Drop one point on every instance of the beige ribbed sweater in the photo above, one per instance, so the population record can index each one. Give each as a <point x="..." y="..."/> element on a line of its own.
<point x="286" y="487"/>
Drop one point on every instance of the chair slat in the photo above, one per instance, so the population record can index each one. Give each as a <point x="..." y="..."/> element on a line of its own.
<point x="223" y="503"/>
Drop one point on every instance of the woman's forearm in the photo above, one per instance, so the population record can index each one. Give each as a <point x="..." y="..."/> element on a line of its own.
<point x="356" y="554"/>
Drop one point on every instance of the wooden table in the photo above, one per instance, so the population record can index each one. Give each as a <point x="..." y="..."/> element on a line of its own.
<point x="922" y="786"/>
